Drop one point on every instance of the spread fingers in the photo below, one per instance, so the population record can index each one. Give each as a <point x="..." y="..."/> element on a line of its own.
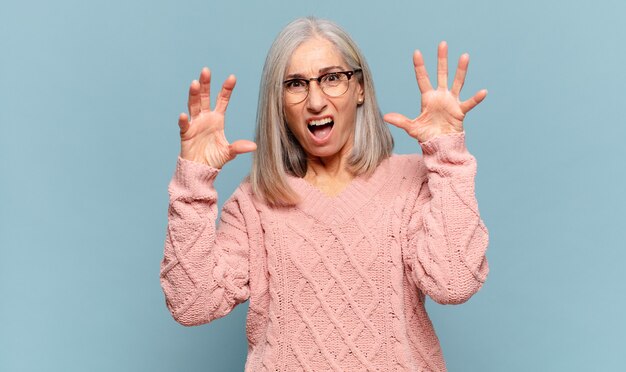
<point x="224" y="97"/>
<point x="442" y="65"/>
<point x="420" y="72"/>
<point x="459" y="77"/>
<point x="193" y="103"/>
<point x="205" y="89"/>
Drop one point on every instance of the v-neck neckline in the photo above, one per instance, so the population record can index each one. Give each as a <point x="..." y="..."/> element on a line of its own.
<point x="338" y="208"/>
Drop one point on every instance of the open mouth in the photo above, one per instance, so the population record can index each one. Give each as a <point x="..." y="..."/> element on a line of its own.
<point x="321" y="128"/>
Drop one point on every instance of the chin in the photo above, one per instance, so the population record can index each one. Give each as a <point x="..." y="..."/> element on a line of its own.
<point x="328" y="151"/>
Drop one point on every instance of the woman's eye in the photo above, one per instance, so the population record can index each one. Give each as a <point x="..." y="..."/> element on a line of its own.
<point x="332" y="77"/>
<point x="295" y="84"/>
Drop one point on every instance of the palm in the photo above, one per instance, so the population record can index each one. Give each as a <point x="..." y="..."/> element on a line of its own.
<point x="442" y="110"/>
<point x="203" y="139"/>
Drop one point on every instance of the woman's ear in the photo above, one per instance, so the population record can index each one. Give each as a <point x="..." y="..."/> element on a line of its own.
<point x="361" y="94"/>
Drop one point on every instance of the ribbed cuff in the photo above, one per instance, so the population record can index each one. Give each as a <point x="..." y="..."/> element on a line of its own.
<point x="193" y="176"/>
<point x="447" y="148"/>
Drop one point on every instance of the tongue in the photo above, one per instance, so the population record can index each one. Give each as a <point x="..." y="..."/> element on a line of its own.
<point x="321" y="131"/>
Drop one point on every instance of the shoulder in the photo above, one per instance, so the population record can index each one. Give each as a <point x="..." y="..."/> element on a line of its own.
<point x="243" y="206"/>
<point x="243" y="194"/>
<point x="249" y="202"/>
<point x="407" y="165"/>
<point x="241" y="199"/>
<point x="404" y="174"/>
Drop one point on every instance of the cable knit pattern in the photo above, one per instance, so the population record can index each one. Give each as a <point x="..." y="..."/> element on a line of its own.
<point x="335" y="283"/>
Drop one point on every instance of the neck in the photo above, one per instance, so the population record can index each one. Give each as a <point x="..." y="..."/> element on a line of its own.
<point x="329" y="170"/>
<point x="326" y="168"/>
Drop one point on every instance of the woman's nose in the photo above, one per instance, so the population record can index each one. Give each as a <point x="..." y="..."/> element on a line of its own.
<point x="316" y="101"/>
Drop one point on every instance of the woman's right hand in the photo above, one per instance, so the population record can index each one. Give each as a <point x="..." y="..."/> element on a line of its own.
<point x="202" y="139"/>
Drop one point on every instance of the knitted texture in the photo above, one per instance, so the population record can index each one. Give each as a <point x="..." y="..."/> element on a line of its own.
<point x="335" y="283"/>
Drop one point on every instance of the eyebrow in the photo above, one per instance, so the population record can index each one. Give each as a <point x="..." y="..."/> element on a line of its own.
<point x="322" y="71"/>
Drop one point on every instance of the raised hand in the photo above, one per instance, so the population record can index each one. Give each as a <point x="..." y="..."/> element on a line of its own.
<point x="442" y="110"/>
<point x="202" y="139"/>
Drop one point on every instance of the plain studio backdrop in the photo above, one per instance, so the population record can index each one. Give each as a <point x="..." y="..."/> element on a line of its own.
<point x="90" y="93"/>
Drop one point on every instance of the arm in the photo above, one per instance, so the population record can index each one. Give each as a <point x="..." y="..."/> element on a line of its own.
<point x="204" y="272"/>
<point x="446" y="239"/>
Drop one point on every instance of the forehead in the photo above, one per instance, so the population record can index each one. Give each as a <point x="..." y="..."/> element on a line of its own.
<point x="314" y="55"/>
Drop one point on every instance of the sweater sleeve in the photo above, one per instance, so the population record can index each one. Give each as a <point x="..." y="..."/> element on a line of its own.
<point x="447" y="240"/>
<point x="204" y="271"/>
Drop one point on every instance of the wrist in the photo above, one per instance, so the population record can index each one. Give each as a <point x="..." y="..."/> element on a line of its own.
<point x="432" y="134"/>
<point x="454" y="141"/>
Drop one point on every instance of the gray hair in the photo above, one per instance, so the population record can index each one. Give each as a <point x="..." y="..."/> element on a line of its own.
<point x="278" y="151"/>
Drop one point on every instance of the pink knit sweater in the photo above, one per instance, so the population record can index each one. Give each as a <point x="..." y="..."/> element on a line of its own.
<point x="334" y="283"/>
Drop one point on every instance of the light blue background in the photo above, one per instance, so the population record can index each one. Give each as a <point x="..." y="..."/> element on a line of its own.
<point x="90" y="92"/>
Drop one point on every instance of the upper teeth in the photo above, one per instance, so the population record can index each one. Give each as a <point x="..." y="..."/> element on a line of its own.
<point x="320" y="122"/>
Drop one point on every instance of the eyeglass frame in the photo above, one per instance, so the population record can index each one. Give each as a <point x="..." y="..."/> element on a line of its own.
<point x="349" y="74"/>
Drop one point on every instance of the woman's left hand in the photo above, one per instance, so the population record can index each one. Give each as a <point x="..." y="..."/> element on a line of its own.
<point x="442" y="110"/>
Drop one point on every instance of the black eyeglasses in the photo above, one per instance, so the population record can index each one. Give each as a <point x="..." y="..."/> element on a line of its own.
<point x="333" y="84"/>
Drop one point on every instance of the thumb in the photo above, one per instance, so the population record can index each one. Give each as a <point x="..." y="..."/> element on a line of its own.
<point x="241" y="147"/>
<point x="183" y="123"/>
<point x="398" y="120"/>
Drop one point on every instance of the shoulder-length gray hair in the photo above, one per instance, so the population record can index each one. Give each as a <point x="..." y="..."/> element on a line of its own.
<point x="278" y="151"/>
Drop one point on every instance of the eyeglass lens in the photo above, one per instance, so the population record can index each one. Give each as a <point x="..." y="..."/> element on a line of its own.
<point x="333" y="84"/>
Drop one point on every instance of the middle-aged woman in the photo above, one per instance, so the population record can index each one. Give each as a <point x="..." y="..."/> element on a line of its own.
<point x="335" y="241"/>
